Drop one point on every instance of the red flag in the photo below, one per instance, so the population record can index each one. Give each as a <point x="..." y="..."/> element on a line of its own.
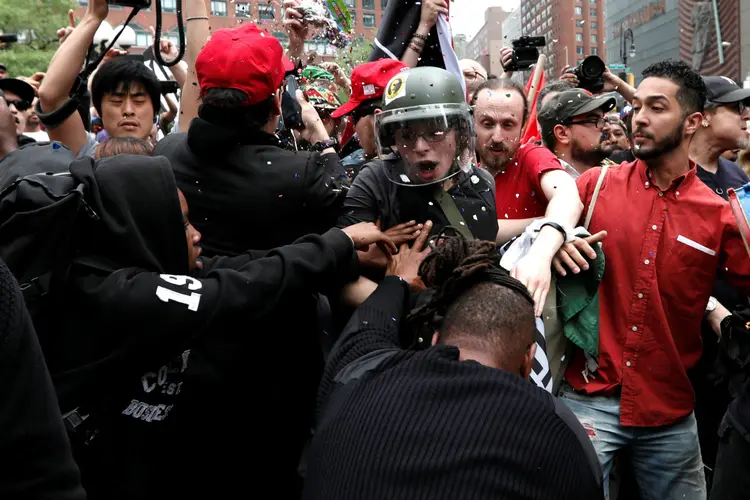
<point x="532" y="132"/>
<point x="348" y="131"/>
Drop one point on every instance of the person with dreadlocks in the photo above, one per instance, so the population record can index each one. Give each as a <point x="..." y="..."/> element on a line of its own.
<point x="459" y="419"/>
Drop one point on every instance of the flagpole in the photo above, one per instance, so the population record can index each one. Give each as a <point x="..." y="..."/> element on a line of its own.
<point x="538" y="71"/>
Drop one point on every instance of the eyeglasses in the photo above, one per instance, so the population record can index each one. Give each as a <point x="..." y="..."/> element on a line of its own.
<point x="598" y="122"/>
<point x="738" y="107"/>
<point x="434" y="132"/>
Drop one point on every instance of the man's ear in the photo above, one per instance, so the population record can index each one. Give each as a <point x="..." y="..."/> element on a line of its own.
<point x="692" y="123"/>
<point x="435" y="338"/>
<point x="528" y="361"/>
<point x="562" y="134"/>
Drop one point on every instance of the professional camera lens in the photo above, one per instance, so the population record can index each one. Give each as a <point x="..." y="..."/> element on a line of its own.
<point x="592" y="67"/>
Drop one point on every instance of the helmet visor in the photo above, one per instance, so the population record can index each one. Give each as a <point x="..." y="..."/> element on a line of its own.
<point x="433" y="142"/>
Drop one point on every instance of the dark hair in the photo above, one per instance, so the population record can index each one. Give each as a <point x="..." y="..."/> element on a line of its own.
<point x="474" y="300"/>
<point x="230" y="107"/>
<point x="121" y="74"/>
<point x="692" y="89"/>
<point x="503" y="83"/>
<point x="557" y="86"/>
<point x="124" y="145"/>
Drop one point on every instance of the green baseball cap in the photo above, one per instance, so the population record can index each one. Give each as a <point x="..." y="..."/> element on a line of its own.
<point x="571" y="103"/>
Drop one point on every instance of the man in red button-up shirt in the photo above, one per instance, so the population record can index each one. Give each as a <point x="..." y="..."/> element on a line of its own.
<point x="668" y="234"/>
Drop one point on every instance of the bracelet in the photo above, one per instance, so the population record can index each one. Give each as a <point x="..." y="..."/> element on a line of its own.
<point x="418" y="41"/>
<point x="557" y="226"/>
<point x="421" y="37"/>
<point x="196" y="17"/>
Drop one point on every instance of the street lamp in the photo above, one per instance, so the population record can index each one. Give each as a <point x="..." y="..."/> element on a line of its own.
<point x="624" y="51"/>
<point x="127" y="38"/>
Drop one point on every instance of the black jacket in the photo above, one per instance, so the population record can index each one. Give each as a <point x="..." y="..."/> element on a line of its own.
<point x="373" y="196"/>
<point x="163" y="353"/>
<point x="36" y="458"/>
<point x="247" y="192"/>
<point x="401" y="424"/>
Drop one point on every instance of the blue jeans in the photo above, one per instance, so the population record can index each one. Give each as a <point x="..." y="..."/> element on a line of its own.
<point x="666" y="460"/>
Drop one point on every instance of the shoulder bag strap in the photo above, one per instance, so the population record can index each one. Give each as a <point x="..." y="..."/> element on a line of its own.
<point x="448" y="205"/>
<point x="598" y="187"/>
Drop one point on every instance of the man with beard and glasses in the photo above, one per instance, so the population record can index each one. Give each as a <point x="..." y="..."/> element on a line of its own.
<point x="571" y="126"/>
<point x="530" y="181"/>
<point x="668" y="234"/>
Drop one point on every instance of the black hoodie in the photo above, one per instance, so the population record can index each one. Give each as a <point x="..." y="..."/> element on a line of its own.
<point x="36" y="461"/>
<point x="143" y="336"/>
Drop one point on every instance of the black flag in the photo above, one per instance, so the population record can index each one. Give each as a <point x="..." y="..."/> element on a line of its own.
<point x="400" y="21"/>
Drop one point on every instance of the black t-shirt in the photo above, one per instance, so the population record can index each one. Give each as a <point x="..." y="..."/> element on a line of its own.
<point x="728" y="175"/>
<point x="373" y="196"/>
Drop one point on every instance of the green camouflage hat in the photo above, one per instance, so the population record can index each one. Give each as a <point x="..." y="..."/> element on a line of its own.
<point x="321" y="97"/>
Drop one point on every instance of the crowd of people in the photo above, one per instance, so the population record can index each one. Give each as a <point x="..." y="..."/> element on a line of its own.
<point x="369" y="286"/>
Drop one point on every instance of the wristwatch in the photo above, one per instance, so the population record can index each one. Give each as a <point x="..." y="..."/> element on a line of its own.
<point x="711" y="306"/>
<point x="323" y="145"/>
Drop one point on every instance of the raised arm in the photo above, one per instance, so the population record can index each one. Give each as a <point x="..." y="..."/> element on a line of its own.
<point x="62" y="73"/>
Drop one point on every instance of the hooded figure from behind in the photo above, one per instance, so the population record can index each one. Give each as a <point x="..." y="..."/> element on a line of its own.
<point x="151" y="337"/>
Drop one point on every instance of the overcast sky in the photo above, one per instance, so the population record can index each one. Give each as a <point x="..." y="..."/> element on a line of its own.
<point x="467" y="16"/>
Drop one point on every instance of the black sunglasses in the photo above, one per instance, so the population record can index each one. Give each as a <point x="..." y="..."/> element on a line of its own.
<point x="20" y="104"/>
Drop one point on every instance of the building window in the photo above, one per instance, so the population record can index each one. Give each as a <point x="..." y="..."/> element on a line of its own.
<point x="384" y="4"/>
<point x="592" y="12"/>
<point x="578" y="11"/>
<point x="168" y="5"/>
<point x="242" y="10"/>
<point x="593" y="39"/>
<point x="354" y="18"/>
<point x="593" y="25"/>
<point x="282" y="37"/>
<point x="350" y="4"/>
<point x="368" y="4"/>
<point x="83" y="3"/>
<point x="579" y="37"/>
<point x="143" y="38"/>
<point x="579" y="50"/>
<point x="368" y="20"/>
<point x="594" y="51"/>
<point x="218" y="7"/>
<point x="265" y="12"/>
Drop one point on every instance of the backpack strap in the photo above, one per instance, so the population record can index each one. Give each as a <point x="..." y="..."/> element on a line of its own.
<point x="448" y="205"/>
<point x="598" y="187"/>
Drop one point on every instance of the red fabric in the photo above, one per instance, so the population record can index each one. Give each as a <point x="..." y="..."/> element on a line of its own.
<point x="532" y="134"/>
<point x="518" y="192"/>
<point x="245" y="58"/>
<point x="369" y="81"/>
<point x="348" y="132"/>
<point x="655" y="287"/>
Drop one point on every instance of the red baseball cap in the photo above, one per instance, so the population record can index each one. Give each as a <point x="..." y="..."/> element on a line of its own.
<point x="244" y="58"/>
<point x="369" y="81"/>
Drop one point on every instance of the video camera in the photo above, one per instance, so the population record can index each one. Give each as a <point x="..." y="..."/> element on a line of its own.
<point x="525" y="52"/>
<point x="590" y="74"/>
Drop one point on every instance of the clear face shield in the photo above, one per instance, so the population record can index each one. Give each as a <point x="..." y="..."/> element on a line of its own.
<point x="433" y="142"/>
